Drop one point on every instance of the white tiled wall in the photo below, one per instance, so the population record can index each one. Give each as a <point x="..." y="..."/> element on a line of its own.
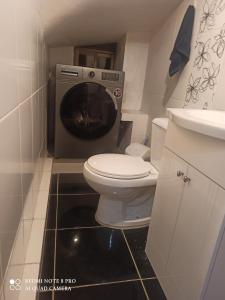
<point x="22" y="128"/>
<point x="140" y="125"/>
<point x="134" y="65"/>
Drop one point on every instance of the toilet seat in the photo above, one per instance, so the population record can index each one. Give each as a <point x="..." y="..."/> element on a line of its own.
<point x="149" y="180"/>
<point x="119" y="166"/>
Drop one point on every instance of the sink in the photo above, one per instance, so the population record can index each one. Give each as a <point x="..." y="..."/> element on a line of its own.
<point x="207" y="122"/>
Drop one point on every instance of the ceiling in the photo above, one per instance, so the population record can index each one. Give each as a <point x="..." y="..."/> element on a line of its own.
<point x="84" y="22"/>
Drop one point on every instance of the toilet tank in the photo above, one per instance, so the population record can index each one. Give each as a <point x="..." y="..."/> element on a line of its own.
<point x="137" y="149"/>
<point x="159" y="128"/>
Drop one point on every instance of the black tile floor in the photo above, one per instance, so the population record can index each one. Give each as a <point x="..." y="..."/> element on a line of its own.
<point x="88" y="261"/>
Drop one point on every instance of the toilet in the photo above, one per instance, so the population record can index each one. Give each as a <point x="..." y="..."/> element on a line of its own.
<point x="126" y="182"/>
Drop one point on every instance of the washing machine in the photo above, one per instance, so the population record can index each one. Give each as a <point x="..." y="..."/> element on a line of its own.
<point x="87" y="111"/>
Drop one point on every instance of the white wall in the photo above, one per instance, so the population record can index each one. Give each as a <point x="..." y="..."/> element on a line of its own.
<point x="140" y="125"/>
<point x="120" y="50"/>
<point x="60" y="55"/>
<point x="22" y="124"/>
<point x="160" y="91"/>
<point x="134" y="65"/>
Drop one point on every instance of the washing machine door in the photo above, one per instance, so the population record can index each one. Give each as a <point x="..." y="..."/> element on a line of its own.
<point x="88" y="111"/>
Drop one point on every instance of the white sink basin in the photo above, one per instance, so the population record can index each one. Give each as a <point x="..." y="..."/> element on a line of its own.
<point x="207" y="122"/>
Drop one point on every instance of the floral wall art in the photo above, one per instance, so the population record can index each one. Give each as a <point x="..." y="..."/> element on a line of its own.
<point x="207" y="55"/>
<point x="201" y="84"/>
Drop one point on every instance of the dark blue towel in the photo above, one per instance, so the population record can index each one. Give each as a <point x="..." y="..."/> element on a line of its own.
<point x="182" y="48"/>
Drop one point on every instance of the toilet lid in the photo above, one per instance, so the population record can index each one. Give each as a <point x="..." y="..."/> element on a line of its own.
<point x="119" y="166"/>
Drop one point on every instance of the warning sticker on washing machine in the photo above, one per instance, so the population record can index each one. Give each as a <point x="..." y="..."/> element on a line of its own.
<point x="117" y="93"/>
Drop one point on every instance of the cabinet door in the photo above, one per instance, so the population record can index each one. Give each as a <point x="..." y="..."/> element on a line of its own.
<point x="214" y="285"/>
<point x="194" y="239"/>
<point x="165" y="210"/>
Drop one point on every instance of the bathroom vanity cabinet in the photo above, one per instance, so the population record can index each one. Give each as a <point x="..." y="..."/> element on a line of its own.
<point x="186" y="243"/>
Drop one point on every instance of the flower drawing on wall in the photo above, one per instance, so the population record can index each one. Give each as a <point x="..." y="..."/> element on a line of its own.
<point x="192" y="91"/>
<point x="220" y="7"/>
<point x="209" y="78"/>
<point x="219" y="45"/>
<point x="208" y="16"/>
<point x="203" y="54"/>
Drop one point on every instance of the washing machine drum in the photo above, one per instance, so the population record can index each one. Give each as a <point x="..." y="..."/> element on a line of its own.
<point x="88" y="111"/>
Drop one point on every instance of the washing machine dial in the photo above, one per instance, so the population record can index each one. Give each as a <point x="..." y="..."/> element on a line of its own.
<point x="92" y="74"/>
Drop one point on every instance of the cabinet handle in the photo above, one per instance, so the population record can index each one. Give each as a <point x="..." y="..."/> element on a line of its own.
<point x="186" y="179"/>
<point x="180" y="173"/>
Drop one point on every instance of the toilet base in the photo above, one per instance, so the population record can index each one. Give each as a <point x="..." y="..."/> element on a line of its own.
<point x="126" y="224"/>
<point x="121" y="214"/>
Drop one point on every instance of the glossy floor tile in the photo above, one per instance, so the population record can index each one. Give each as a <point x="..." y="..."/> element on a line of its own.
<point x="77" y="210"/>
<point x="154" y="289"/>
<point x="51" y="212"/>
<point x="119" y="291"/>
<point x="53" y="185"/>
<point x="136" y="239"/>
<point x="93" y="255"/>
<point x="44" y="296"/>
<point x="73" y="184"/>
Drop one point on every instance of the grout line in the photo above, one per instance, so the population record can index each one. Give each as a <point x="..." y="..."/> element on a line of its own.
<point x="149" y="278"/>
<point x="78" y="227"/>
<point x="80" y="194"/>
<point x="6" y="115"/>
<point x="100" y="284"/>
<point x="56" y="229"/>
<point x="105" y="283"/>
<point x="135" y="265"/>
<point x="30" y="263"/>
<point x="91" y="227"/>
<point x="86" y="227"/>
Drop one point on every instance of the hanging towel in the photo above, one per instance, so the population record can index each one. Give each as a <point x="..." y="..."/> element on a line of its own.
<point x="182" y="48"/>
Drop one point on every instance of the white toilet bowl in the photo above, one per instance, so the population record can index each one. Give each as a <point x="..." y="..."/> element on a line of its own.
<point x="126" y="186"/>
<point x="126" y="183"/>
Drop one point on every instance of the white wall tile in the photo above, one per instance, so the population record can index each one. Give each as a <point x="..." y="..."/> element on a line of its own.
<point x="35" y="242"/>
<point x="34" y="50"/>
<point x="29" y="202"/>
<point x="10" y="183"/>
<point x="22" y="122"/>
<point x="18" y="255"/>
<point x="41" y="206"/>
<point x="47" y="165"/>
<point x="31" y="271"/>
<point x="27" y="226"/>
<point x="23" y="49"/>
<point x="13" y="272"/>
<point x="134" y="65"/>
<point x="45" y="181"/>
<point x="8" y="75"/>
<point x="26" y="147"/>
<point x="140" y="125"/>
<point x="2" y="296"/>
<point x="1" y="274"/>
<point x="36" y="125"/>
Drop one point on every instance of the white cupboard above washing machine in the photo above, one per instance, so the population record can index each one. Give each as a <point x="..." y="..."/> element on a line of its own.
<point x="186" y="236"/>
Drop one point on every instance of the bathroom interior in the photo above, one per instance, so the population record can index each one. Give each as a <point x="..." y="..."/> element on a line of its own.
<point x="112" y="182"/>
